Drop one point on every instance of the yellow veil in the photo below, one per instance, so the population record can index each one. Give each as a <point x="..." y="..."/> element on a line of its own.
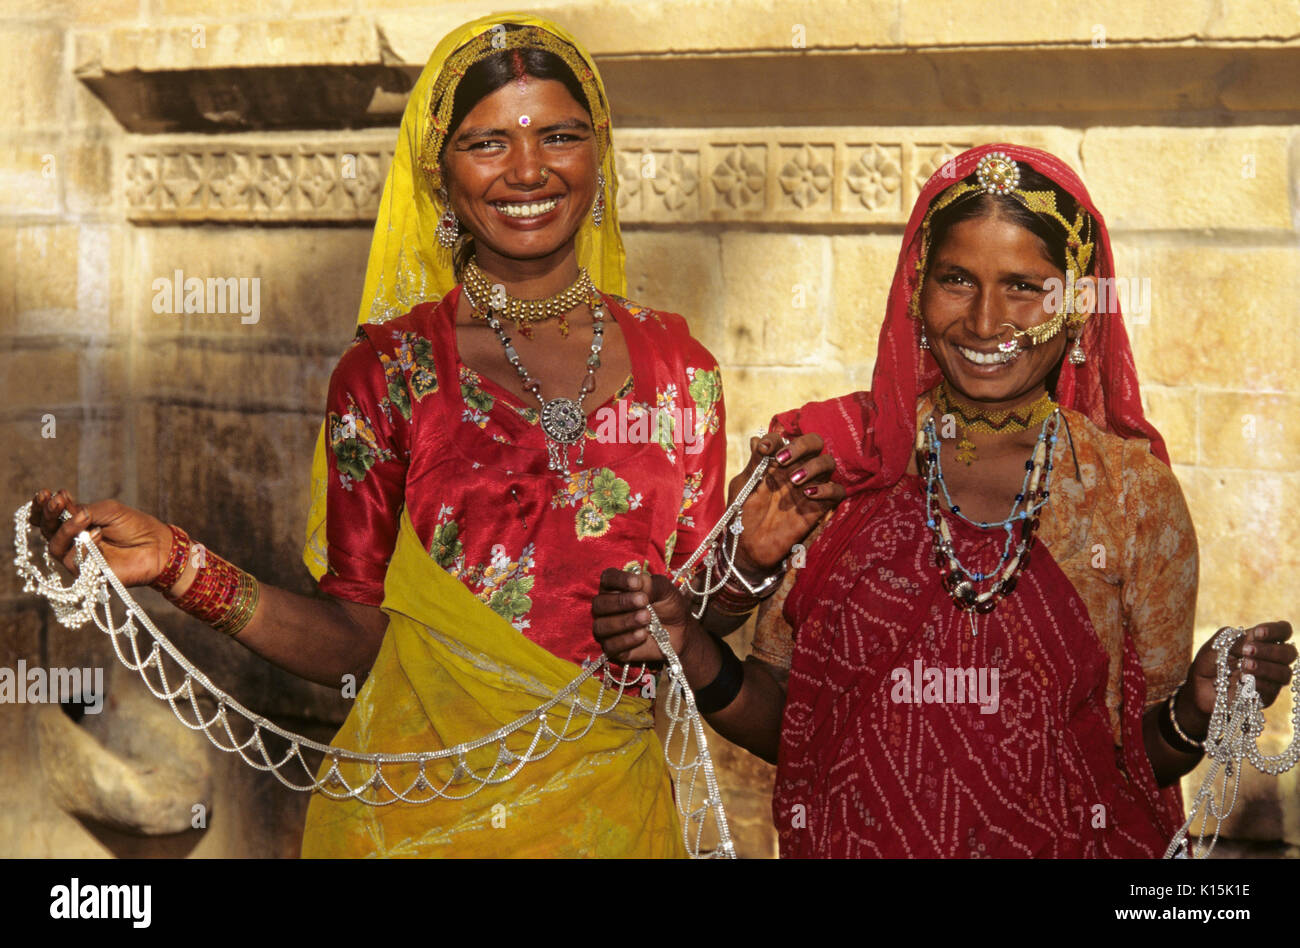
<point x="408" y="266"/>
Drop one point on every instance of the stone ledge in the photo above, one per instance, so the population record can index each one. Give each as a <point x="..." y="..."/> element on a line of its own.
<point x="649" y="29"/>
<point x="355" y="72"/>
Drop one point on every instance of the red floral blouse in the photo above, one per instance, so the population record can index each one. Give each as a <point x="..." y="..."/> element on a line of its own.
<point x="409" y="423"/>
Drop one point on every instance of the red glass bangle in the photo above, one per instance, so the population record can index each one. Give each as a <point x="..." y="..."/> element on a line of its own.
<point x="222" y="595"/>
<point x="176" y="559"/>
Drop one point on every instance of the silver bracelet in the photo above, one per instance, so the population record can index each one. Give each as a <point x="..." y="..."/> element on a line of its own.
<point x="1173" y="719"/>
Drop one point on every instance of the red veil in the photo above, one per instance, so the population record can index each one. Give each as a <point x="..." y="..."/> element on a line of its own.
<point x="871" y="434"/>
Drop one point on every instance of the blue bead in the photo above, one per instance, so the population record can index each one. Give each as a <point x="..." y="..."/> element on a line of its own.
<point x="1052" y="439"/>
<point x="929" y="523"/>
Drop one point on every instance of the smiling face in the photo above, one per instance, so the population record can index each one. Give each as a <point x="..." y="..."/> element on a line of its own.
<point x="493" y="170"/>
<point x="989" y="271"/>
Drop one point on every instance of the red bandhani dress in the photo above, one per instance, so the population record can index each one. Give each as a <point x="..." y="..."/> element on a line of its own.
<point x="907" y="735"/>
<point x="410" y="424"/>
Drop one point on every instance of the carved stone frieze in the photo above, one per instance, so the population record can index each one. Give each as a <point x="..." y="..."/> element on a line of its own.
<point x="666" y="176"/>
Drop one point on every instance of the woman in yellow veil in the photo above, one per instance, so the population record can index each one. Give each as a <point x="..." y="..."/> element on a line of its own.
<point x="464" y="505"/>
<point x="453" y="666"/>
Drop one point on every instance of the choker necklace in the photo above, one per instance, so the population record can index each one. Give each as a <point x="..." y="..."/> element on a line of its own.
<point x="487" y="295"/>
<point x="970" y="418"/>
<point x="957" y="579"/>
<point x="563" y="421"/>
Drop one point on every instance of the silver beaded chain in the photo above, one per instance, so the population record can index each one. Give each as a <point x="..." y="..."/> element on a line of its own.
<point x="1235" y="727"/>
<point x="87" y="598"/>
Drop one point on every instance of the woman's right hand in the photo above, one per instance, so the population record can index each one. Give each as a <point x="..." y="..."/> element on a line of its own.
<point x="621" y="621"/>
<point x="135" y="544"/>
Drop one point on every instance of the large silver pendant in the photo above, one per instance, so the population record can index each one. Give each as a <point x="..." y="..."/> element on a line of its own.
<point x="563" y="420"/>
<point x="564" y="425"/>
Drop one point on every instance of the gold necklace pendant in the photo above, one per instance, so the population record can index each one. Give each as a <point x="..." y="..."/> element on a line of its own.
<point x="966" y="451"/>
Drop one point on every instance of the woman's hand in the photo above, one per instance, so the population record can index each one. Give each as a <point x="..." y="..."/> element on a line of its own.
<point x="135" y="544"/>
<point x="796" y="490"/>
<point x="621" y="622"/>
<point x="1263" y="652"/>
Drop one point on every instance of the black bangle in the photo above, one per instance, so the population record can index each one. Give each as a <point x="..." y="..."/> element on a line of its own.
<point x="1169" y="729"/>
<point x="720" y="692"/>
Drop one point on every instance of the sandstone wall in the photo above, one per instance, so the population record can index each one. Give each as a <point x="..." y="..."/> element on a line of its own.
<point x="767" y="167"/>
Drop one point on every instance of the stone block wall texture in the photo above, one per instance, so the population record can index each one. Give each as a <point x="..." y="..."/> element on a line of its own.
<point x="766" y="171"/>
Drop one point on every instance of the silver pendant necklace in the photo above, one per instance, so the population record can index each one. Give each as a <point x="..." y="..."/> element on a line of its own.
<point x="563" y="421"/>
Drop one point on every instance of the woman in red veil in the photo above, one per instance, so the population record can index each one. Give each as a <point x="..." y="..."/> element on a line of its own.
<point x="988" y="649"/>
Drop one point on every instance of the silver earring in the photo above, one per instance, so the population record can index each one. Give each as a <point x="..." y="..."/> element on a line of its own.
<point x="448" y="225"/>
<point x="1077" y="355"/>
<point x="925" y="343"/>
<point x="598" y="209"/>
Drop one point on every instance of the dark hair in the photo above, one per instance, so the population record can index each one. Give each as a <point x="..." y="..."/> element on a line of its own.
<point x="496" y="72"/>
<point x="1045" y="229"/>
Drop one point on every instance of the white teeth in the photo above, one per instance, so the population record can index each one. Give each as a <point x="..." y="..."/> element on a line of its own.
<point x="535" y="209"/>
<point x="987" y="358"/>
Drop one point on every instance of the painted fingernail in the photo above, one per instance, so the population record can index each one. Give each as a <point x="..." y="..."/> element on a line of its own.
<point x="783" y="456"/>
<point x="798" y="476"/>
<point x="1248" y="650"/>
<point x="1249" y="663"/>
<point x="811" y="491"/>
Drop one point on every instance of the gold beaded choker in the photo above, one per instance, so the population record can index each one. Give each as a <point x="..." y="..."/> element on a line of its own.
<point x="488" y="295"/>
<point x="970" y="418"/>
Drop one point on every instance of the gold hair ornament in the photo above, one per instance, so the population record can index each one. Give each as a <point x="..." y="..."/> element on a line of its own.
<point x="443" y="98"/>
<point x="997" y="173"/>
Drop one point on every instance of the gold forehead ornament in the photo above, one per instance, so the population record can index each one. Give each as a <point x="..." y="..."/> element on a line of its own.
<point x="998" y="173"/>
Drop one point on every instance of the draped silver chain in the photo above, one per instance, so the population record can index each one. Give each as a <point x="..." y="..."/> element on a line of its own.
<point x="563" y="717"/>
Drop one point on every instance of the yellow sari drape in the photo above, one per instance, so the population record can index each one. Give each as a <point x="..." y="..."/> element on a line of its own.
<point x="451" y="670"/>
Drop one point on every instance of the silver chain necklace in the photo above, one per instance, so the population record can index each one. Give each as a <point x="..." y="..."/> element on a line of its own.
<point x="563" y="420"/>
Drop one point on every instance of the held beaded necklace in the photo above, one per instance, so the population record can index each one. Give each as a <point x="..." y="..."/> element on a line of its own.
<point x="563" y="420"/>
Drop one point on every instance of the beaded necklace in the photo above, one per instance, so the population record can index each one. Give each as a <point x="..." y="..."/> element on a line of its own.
<point x="958" y="580"/>
<point x="487" y="295"/>
<point x="990" y="422"/>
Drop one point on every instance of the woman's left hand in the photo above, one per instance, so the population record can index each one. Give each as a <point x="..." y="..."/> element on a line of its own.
<point x="796" y="490"/>
<point x="1263" y="652"/>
